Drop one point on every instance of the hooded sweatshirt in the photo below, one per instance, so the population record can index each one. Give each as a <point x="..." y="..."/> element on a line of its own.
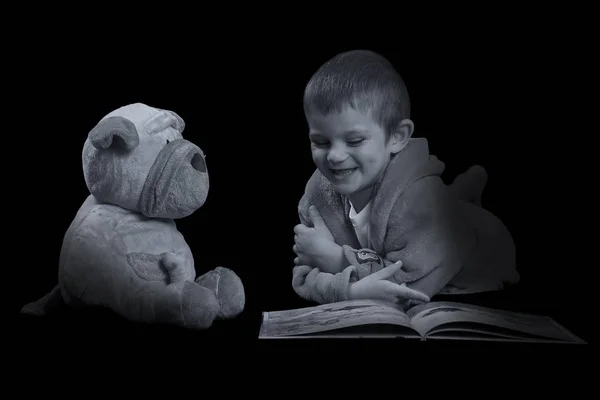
<point x="446" y="245"/>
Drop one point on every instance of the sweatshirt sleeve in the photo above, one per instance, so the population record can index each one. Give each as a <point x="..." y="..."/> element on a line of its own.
<point x="310" y="283"/>
<point x="426" y="233"/>
<point x="313" y="285"/>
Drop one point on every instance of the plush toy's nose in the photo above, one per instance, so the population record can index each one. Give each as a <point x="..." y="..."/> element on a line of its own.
<point x="198" y="162"/>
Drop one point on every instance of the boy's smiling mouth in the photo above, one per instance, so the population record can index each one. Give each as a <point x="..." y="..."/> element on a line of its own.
<point x="339" y="173"/>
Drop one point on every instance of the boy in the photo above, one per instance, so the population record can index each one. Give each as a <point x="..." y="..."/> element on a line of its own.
<point x="377" y="220"/>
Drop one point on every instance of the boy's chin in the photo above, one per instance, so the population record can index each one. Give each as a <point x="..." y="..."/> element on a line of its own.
<point x="345" y="189"/>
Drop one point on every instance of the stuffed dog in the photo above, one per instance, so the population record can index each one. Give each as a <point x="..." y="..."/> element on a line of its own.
<point x="123" y="250"/>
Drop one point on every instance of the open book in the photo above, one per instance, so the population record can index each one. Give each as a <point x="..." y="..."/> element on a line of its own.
<point x="434" y="320"/>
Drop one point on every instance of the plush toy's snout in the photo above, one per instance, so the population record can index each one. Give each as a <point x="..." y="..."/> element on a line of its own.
<point x="198" y="162"/>
<point x="177" y="183"/>
<point x="137" y="158"/>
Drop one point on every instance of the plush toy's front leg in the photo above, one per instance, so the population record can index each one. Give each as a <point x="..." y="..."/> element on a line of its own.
<point x="178" y="301"/>
<point x="228" y="290"/>
<point x="175" y="266"/>
<point x="196" y="306"/>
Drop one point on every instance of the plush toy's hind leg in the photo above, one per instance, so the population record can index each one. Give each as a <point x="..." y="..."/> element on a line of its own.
<point x="228" y="290"/>
<point x="469" y="185"/>
<point x="184" y="304"/>
<point x="45" y="305"/>
<point x="197" y="305"/>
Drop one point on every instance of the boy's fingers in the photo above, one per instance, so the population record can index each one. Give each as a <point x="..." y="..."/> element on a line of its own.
<point x="298" y="229"/>
<point x="386" y="272"/>
<point x="408" y="293"/>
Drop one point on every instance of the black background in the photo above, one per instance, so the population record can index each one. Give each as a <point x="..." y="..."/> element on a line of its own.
<point x="491" y="100"/>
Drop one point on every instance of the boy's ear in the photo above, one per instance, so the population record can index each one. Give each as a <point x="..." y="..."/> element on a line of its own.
<point x="401" y="135"/>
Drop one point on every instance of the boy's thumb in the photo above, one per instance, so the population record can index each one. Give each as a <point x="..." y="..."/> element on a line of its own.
<point x="315" y="217"/>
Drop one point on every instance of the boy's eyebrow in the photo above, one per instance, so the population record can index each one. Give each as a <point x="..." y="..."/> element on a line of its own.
<point x="355" y="130"/>
<point x="349" y="132"/>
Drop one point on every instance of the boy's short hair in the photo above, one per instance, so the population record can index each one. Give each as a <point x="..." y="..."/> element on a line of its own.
<point x="363" y="80"/>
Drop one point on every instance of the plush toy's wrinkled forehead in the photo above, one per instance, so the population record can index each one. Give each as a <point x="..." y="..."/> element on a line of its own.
<point x="148" y="120"/>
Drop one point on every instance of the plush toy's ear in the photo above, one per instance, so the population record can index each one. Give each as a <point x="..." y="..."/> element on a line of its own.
<point x="178" y="123"/>
<point x="116" y="132"/>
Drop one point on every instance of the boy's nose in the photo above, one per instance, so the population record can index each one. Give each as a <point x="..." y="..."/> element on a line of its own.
<point x="336" y="156"/>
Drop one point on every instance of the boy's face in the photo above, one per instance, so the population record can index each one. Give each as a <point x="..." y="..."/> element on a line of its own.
<point x="350" y="149"/>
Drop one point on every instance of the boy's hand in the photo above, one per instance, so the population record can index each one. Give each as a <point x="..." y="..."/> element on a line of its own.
<point x="316" y="246"/>
<point x="377" y="287"/>
<point x="319" y="225"/>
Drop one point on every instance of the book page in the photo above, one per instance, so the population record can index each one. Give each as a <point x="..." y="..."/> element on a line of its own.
<point x="329" y="317"/>
<point x="429" y="317"/>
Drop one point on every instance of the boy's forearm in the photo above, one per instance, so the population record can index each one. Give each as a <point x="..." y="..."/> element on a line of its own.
<point x="335" y="261"/>
<point x="430" y="281"/>
<point x="366" y="261"/>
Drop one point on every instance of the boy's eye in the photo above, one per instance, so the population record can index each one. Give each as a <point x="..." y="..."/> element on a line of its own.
<point x="319" y="143"/>
<point x="355" y="142"/>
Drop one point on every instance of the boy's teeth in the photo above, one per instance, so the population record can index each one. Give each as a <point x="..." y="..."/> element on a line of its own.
<point x="343" y="172"/>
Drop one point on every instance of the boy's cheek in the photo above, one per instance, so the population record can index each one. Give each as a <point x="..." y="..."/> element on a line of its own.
<point x="317" y="154"/>
<point x="320" y="163"/>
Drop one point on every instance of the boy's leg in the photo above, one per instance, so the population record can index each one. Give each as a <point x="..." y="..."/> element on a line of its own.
<point x="469" y="185"/>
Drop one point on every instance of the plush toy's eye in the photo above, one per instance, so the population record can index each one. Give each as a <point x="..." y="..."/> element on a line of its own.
<point x="167" y="141"/>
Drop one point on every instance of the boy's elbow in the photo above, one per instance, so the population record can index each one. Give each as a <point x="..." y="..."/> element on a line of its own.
<point x="330" y="269"/>
<point x="433" y="283"/>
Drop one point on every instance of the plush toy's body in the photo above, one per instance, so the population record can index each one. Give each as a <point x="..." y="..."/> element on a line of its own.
<point x="123" y="250"/>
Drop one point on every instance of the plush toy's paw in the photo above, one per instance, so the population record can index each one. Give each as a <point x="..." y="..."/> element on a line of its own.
<point x="45" y="305"/>
<point x="33" y="308"/>
<point x="228" y="289"/>
<point x="174" y="265"/>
